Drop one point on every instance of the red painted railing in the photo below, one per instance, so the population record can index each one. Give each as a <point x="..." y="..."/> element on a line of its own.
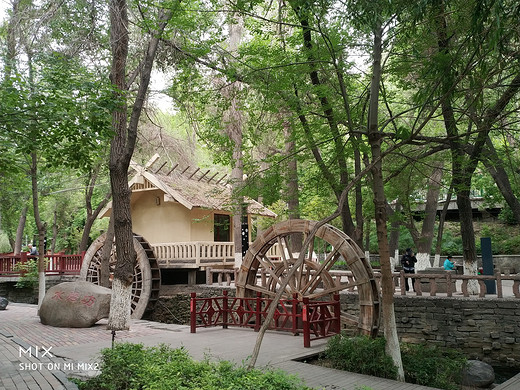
<point x="315" y="320"/>
<point x="55" y="264"/>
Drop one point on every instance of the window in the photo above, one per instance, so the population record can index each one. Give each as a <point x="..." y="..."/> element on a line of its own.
<point x="222" y="228"/>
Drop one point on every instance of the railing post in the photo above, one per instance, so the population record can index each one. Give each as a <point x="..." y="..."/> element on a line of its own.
<point x="193" y="313"/>
<point x="402" y="281"/>
<point x="197" y="253"/>
<point x="498" y="276"/>
<point x="225" y="308"/>
<point x="306" y="327"/>
<point x="294" y="313"/>
<point x="258" y="311"/>
<point x="449" y="291"/>
<point x="337" y="314"/>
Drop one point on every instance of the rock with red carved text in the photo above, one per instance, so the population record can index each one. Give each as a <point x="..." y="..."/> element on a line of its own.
<point x="75" y="305"/>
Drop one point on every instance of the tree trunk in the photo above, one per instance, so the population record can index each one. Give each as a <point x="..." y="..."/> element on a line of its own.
<point x="41" y="229"/>
<point x="233" y="121"/>
<point x="495" y="168"/>
<point x="121" y="150"/>
<point x="105" y="255"/>
<point x="374" y="136"/>
<point x="54" y="231"/>
<point x="425" y="242"/>
<point x="19" y="231"/>
<point x="291" y="178"/>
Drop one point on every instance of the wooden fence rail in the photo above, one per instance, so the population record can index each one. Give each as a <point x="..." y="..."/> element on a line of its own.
<point x="316" y="320"/>
<point x="55" y="264"/>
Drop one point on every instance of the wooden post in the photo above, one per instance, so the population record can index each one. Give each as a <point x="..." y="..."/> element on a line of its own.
<point x="306" y="327"/>
<point x="258" y="311"/>
<point x="337" y="314"/>
<point x="294" y="312"/>
<point x="193" y="313"/>
<point x="209" y="276"/>
<point x="225" y="309"/>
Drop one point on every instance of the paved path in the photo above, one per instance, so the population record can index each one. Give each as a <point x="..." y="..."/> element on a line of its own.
<point x="64" y="352"/>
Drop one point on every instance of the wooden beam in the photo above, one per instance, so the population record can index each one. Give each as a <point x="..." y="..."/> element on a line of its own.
<point x="173" y="169"/>
<point x="202" y="177"/>
<point x="212" y="177"/>
<point x="225" y="174"/>
<point x="152" y="161"/>
<point x="196" y="170"/>
<point x="161" y="167"/>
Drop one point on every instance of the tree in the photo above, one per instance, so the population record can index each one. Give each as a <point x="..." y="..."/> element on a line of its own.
<point x="121" y="150"/>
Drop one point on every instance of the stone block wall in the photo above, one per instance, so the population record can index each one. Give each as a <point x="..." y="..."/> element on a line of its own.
<point x="485" y="329"/>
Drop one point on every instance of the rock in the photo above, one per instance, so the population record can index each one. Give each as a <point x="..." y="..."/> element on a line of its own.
<point x="3" y="303"/>
<point x="478" y="374"/>
<point x="75" y="305"/>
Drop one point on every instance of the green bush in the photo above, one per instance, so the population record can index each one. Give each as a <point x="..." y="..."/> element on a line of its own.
<point x="423" y="365"/>
<point x="363" y="355"/>
<point x="432" y="366"/>
<point x="132" y="366"/>
<point x="29" y="274"/>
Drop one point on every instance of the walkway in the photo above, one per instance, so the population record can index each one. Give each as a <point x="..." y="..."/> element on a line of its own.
<point x="58" y="353"/>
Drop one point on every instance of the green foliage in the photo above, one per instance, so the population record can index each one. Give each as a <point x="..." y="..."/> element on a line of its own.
<point x="4" y="243"/>
<point x="424" y="365"/>
<point x="363" y="355"/>
<point x="29" y="274"/>
<point x="432" y="366"/>
<point x="132" y="366"/>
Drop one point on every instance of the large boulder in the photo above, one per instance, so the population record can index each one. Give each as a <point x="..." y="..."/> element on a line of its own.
<point x="478" y="374"/>
<point x="75" y="305"/>
<point x="3" y="303"/>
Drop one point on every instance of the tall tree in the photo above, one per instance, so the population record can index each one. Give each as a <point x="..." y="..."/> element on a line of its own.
<point x="121" y="150"/>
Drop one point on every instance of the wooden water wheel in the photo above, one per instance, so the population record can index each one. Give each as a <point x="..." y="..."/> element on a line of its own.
<point x="147" y="275"/>
<point x="271" y="256"/>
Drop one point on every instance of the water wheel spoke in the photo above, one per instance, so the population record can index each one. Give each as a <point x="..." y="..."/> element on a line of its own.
<point x="260" y="289"/>
<point x="269" y="267"/>
<point x="349" y="318"/>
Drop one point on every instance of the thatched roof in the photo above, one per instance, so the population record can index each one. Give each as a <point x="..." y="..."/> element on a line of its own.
<point x="191" y="188"/>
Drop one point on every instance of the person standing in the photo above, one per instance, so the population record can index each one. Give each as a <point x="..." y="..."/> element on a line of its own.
<point x="408" y="262"/>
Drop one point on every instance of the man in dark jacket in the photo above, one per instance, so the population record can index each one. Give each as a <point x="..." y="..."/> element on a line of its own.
<point x="408" y="262"/>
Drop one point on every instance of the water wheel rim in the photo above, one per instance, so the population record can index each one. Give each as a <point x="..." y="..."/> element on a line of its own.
<point x="141" y="284"/>
<point x="342" y="246"/>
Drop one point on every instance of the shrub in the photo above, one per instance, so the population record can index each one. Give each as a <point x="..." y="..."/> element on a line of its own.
<point x="29" y="274"/>
<point x="432" y="366"/>
<point x="132" y="366"/>
<point x="363" y="355"/>
<point x="423" y="365"/>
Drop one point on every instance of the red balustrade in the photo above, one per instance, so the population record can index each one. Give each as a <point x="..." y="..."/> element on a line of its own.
<point x="55" y="264"/>
<point x="315" y="320"/>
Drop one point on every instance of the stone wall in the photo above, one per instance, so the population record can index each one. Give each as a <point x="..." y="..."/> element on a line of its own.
<point x="9" y="290"/>
<point x="485" y="329"/>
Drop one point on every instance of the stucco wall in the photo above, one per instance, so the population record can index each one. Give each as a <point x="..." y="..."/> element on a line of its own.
<point x="159" y="221"/>
<point x="486" y="329"/>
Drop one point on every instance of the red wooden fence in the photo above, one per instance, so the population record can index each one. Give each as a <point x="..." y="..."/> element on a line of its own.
<point x="55" y="264"/>
<point x="315" y="320"/>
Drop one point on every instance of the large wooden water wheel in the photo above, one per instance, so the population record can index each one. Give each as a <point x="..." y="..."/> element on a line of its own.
<point x="270" y="258"/>
<point x="147" y="275"/>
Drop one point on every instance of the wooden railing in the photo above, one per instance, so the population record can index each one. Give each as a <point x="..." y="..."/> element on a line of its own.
<point x="196" y="252"/>
<point x="55" y="264"/>
<point x="316" y="320"/>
